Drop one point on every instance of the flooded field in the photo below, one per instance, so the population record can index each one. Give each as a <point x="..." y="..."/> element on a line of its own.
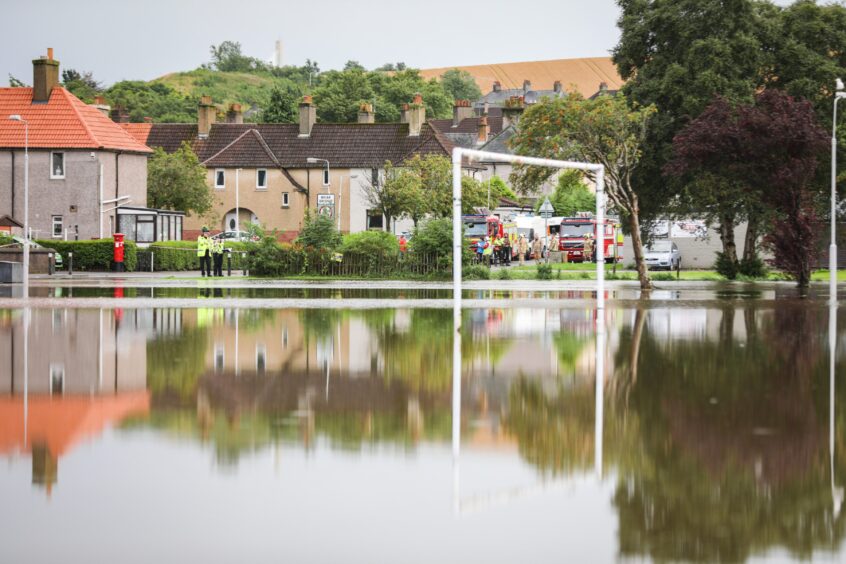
<point x="312" y="430"/>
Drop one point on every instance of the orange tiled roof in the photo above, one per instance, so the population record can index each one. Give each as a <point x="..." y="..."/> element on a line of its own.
<point x="138" y="130"/>
<point x="584" y="74"/>
<point x="64" y="122"/>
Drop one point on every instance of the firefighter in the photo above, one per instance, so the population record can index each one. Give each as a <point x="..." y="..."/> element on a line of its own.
<point x="204" y="252"/>
<point x="588" y="250"/>
<point x="522" y="248"/>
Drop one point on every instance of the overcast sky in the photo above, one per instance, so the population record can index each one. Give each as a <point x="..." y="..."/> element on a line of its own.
<point x="144" y="39"/>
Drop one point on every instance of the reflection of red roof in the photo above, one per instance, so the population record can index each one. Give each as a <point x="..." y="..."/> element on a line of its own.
<point x="62" y="422"/>
<point x="64" y="122"/>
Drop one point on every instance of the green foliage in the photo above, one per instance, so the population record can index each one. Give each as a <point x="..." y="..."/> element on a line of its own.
<point x="154" y="99"/>
<point x="182" y="255"/>
<point x="753" y="267"/>
<point x="460" y="85"/>
<point x="15" y="82"/>
<point x="81" y="85"/>
<point x="319" y="233"/>
<point x="505" y="274"/>
<point x="227" y="57"/>
<point x="498" y="189"/>
<point x="544" y="271"/>
<point x="725" y="266"/>
<point x="93" y="255"/>
<point x="282" y="107"/>
<point x="370" y="243"/>
<point x="177" y="181"/>
<point x="432" y="237"/>
<point x="571" y="195"/>
<point x="476" y="272"/>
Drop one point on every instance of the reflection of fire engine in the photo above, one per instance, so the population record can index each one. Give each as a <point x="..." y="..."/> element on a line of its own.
<point x="572" y="232"/>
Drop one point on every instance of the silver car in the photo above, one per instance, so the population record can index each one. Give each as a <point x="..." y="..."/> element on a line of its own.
<point x="662" y="255"/>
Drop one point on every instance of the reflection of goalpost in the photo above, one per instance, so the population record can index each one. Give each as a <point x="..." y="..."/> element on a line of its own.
<point x="458" y="247"/>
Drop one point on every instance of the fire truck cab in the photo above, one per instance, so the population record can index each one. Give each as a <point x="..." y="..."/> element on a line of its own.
<point x="573" y="231"/>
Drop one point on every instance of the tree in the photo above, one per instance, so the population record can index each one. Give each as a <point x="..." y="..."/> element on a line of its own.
<point x="154" y="100"/>
<point x="319" y="233"/>
<point x="460" y="85"/>
<point x="282" y="107"/>
<point x="227" y="57"/>
<point x="497" y="189"/>
<point x="82" y="85"/>
<point x="386" y="193"/>
<point x="771" y="148"/>
<point x="350" y="65"/>
<point x="603" y="131"/>
<point x="340" y="93"/>
<point x="15" y="82"/>
<point x="571" y="195"/>
<point x="177" y="181"/>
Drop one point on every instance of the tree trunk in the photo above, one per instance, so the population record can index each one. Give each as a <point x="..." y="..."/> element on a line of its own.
<point x="750" y="242"/>
<point x="727" y="238"/>
<point x="387" y="223"/>
<point x="637" y="246"/>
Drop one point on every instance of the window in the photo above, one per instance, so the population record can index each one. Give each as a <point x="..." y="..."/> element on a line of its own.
<point x="145" y="229"/>
<point x="374" y="220"/>
<point x="374" y="176"/>
<point x="261" y="179"/>
<point x="57" y="379"/>
<point x="219" y="356"/>
<point x="261" y="359"/>
<point x="58" y="227"/>
<point x="57" y="165"/>
<point x="326" y="177"/>
<point x="286" y="202"/>
<point x="219" y="178"/>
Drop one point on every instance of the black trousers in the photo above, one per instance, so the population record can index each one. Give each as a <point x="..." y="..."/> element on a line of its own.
<point x="218" y="264"/>
<point x="205" y="264"/>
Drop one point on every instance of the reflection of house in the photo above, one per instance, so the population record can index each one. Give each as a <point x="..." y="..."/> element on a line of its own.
<point x="86" y="371"/>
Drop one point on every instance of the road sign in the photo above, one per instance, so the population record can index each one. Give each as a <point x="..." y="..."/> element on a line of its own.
<point x="328" y="211"/>
<point x="325" y="200"/>
<point x="546" y="210"/>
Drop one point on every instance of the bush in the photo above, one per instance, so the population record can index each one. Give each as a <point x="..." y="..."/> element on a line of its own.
<point x="725" y="267"/>
<point x="503" y="274"/>
<point x="476" y="272"/>
<point x="753" y="268"/>
<point x="182" y="255"/>
<point x="93" y="255"/>
<point x="370" y="243"/>
<point x="271" y="258"/>
<point x="433" y="237"/>
<point x="664" y="277"/>
<point x="544" y="272"/>
<point x="319" y="233"/>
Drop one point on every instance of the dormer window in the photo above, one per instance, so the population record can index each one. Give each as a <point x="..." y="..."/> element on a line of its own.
<point x="57" y="165"/>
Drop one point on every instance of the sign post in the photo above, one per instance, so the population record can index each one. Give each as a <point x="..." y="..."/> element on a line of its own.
<point x="546" y="210"/>
<point x="326" y="205"/>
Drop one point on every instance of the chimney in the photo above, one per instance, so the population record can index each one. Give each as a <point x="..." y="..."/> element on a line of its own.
<point x="603" y="88"/>
<point x="100" y="104"/>
<point x="119" y="114"/>
<point x="484" y="130"/>
<point x="527" y="85"/>
<point x="235" y="115"/>
<point x="404" y="113"/>
<point x="365" y="113"/>
<point x="461" y="110"/>
<point x="206" y="116"/>
<point x="497" y="86"/>
<point x="556" y="87"/>
<point x="416" y="116"/>
<point x="308" y="115"/>
<point x="45" y="75"/>
<point x="148" y="119"/>
<point x="512" y="110"/>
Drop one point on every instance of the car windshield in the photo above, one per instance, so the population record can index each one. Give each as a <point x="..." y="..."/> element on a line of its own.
<point x="660" y="247"/>
<point x="569" y="230"/>
<point x="475" y="229"/>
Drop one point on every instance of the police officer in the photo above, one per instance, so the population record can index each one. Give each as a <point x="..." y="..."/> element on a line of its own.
<point x="204" y="244"/>
<point x="217" y="256"/>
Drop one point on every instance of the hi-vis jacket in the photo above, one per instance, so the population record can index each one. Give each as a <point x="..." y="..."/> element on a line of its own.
<point x="203" y="244"/>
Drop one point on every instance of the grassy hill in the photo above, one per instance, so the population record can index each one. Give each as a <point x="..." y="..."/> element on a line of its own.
<point x="247" y="89"/>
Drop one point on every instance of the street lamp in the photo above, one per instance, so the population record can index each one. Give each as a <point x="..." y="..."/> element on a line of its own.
<point x="832" y="250"/>
<point x="313" y="160"/>
<point x="17" y="117"/>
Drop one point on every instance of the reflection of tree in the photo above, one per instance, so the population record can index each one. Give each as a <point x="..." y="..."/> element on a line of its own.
<point x="175" y="363"/>
<point x="569" y="347"/>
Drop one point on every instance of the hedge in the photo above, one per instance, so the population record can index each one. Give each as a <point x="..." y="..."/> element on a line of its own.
<point x="182" y="255"/>
<point x="93" y="255"/>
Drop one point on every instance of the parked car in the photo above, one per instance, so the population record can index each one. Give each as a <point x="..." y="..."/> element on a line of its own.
<point x="662" y="255"/>
<point x="33" y="245"/>
<point x="235" y="236"/>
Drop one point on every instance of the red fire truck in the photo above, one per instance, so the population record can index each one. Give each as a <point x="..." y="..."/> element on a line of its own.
<point x="571" y="237"/>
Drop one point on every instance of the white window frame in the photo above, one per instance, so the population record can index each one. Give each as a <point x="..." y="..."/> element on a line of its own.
<point x="260" y="186"/>
<point x="53" y="224"/>
<point x="53" y="175"/>
<point x="326" y="178"/>
<point x="218" y="171"/>
<point x="286" y="199"/>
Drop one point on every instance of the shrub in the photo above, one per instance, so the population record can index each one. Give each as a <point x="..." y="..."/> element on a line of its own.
<point x="93" y="255"/>
<point x="319" y="233"/>
<point x="664" y="277"/>
<point x="476" y="272"/>
<point x="544" y="272"/>
<point x="370" y="243"/>
<point x="726" y="267"/>
<point x="433" y="237"/>
<point x="271" y="258"/>
<point x="503" y="274"/>
<point x="753" y="268"/>
<point x="182" y="255"/>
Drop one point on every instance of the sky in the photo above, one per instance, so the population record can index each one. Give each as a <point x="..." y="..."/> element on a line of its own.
<point x="145" y="39"/>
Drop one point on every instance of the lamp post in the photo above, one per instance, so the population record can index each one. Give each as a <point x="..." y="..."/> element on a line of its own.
<point x="17" y="117"/>
<point x="237" y="202"/>
<point x="313" y="160"/>
<point x="832" y="249"/>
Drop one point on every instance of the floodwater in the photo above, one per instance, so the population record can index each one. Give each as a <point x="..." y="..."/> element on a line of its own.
<point x="717" y="430"/>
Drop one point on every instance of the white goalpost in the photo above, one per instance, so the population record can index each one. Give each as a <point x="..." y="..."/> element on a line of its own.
<point x="458" y="154"/>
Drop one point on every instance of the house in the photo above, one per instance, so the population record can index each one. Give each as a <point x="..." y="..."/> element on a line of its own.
<point x="82" y="165"/>
<point x="273" y="173"/>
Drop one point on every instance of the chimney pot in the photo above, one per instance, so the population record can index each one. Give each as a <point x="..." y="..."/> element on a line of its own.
<point x="148" y="119"/>
<point x="461" y="110"/>
<point x="49" y="53"/>
<point x="365" y="113"/>
<point x="497" y="86"/>
<point x="234" y="115"/>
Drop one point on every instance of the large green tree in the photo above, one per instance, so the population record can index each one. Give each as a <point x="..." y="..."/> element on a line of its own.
<point x="460" y="85"/>
<point x="571" y="195"/>
<point x="177" y="181"/>
<point x="603" y="131"/>
<point x="155" y="100"/>
<point x="282" y="107"/>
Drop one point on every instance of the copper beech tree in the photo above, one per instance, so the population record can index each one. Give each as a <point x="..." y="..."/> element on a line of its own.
<point x="769" y="149"/>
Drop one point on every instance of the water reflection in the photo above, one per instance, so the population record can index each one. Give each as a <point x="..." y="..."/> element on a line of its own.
<point x="717" y="423"/>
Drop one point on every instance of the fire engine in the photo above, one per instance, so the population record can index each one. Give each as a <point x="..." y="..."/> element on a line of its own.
<point x="571" y="237"/>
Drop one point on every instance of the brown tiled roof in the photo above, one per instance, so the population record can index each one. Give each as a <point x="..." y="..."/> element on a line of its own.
<point x="353" y="145"/>
<point x="467" y="125"/>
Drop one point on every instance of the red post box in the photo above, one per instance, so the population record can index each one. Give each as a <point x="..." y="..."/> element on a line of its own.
<point x="118" y="258"/>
